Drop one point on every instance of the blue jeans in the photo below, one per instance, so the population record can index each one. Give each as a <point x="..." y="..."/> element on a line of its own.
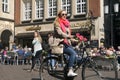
<point x="72" y="54"/>
<point x="52" y="61"/>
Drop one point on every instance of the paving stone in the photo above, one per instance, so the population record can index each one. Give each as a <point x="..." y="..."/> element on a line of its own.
<point x="17" y="72"/>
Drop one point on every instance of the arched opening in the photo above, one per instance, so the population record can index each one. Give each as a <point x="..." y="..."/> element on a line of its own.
<point x="5" y="37"/>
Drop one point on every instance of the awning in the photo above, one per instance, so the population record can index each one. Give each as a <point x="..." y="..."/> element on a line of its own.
<point x="44" y="33"/>
<point x="31" y="34"/>
<point x="26" y="35"/>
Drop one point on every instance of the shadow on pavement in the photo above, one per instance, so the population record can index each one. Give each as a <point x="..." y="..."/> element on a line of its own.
<point x="35" y="79"/>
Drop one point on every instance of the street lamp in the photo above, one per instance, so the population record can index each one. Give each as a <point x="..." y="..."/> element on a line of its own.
<point x="108" y="10"/>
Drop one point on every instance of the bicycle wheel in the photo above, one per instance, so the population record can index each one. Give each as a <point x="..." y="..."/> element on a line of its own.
<point x="47" y="71"/>
<point x="99" y="69"/>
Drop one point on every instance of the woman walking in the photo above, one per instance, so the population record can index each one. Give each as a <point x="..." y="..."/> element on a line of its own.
<point x="37" y="44"/>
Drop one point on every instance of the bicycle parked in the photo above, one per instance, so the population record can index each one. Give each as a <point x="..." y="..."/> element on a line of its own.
<point x="90" y="66"/>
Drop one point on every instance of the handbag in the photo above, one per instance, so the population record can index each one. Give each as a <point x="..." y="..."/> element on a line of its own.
<point x="57" y="49"/>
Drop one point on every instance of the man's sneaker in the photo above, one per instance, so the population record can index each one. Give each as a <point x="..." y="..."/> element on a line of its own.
<point x="71" y="73"/>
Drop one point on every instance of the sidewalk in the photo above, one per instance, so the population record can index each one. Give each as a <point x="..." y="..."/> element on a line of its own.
<point x="17" y="72"/>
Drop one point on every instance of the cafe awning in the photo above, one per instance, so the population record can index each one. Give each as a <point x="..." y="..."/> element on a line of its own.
<point x="30" y="34"/>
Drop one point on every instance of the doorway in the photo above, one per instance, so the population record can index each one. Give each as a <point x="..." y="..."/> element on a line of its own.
<point x="5" y="37"/>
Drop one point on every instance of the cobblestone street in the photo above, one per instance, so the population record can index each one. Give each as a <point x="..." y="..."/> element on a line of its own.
<point x="17" y="72"/>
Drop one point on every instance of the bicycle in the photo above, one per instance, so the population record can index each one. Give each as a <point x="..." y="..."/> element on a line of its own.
<point x="89" y="67"/>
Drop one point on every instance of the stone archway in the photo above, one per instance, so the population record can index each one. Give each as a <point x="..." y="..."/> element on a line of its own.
<point x="6" y="38"/>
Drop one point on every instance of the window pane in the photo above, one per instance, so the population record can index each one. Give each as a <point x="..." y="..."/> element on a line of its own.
<point x="39" y="9"/>
<point x="54" y="3"/>
<point x="27" y="10"/>
<point x="66" y="5"/>
<point x="63" y="2"/>
<point x="6" y="1"/>
<point x="81" y="6"/>
<point x="78" y="1"/>
<point x="52" y="9"/>
<point x="68" y="1"/>
<point x="5" y="5"/>
<point x="50" y="3"/>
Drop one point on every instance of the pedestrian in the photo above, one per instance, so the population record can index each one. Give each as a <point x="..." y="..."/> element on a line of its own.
<point x="14" y="46"/>
<point x="1" y="45"/>
<point x="110" y="51"/>
<point x="118" y="57"/>
<point x="63" y="31"/>
<point x="37" y="44"/>
<point x="50" y="43"/>
<point x="5" y="56"/>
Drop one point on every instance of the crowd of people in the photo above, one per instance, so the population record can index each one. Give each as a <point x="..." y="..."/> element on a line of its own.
<point x="17" y="55"/>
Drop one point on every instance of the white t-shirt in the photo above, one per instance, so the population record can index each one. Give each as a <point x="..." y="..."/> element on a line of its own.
<point x="37" y="45"/>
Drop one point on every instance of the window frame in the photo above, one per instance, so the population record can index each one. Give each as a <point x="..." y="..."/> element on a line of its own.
<point x="27" y="14"/>
<point x="82" y="7"/>
<point x="4" y="4"/>
<point x="66" y="5"/>
<point x="39" y="9"/>
<point x="52" y="7"/>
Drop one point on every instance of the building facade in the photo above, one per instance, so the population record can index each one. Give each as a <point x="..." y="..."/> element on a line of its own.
<point x="112" y="23"/>
<point x="86" y="17"/>
<point x="7" y="22"/>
